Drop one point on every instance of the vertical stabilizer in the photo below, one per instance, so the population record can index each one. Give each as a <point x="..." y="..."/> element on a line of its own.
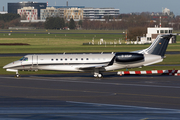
<point x="159" y="46"/>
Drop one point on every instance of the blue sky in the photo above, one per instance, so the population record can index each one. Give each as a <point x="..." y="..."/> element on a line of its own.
<point x="125" y="6"/>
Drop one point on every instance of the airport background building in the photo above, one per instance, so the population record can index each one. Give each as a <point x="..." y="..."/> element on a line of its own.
<point x="78" y="13"/>
<point x="62" y="12"/>
<point x="153" y="32"/>
<point x="75" y="13"/>
<point x="28" y="13"/>
<point x="67" y="7"/>
<point x="51" y="12"/>
<point x="13" y="7"/>
<point x="99" y="13"/>
<point x="40" y="11"/>
<point x="3" y="12"/>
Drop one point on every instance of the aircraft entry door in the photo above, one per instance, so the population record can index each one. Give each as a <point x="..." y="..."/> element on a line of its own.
<point x="34" y="61"/>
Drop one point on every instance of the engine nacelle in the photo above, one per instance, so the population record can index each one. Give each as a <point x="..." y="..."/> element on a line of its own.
<point x="128" y="57"/>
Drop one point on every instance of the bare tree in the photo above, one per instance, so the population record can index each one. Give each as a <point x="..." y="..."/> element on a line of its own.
<point x="133" y="32"/>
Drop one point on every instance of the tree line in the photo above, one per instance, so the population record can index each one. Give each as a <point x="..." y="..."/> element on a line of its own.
<point x="8" y="17"/>
<point x="123" y="21"/>
<point x="54" y="23"/>
<point x="13" y="20"/>
<point x="59" y="23"/>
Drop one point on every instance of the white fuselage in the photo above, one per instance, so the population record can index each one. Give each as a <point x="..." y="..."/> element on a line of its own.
<point x="78" y="62"/>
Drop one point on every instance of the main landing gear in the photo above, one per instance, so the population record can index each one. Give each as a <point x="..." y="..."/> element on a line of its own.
<point x="97" y="74"/>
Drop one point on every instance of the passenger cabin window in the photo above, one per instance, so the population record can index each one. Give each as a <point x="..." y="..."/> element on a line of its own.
<point x="52" y="59"/>
<point x="56" y="59"/>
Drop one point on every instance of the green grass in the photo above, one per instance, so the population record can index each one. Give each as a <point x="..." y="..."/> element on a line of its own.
<point x="66" y="48"/>
<point x="75" y="47"/>
<point x="65" y="31"/>
<point x="63" y="35"/>
<point x="52" y="43"/>
<point x="171" y="59"/>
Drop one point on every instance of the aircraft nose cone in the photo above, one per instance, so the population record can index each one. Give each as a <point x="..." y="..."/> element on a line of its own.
<point x="11" y="65"/>
<point x="5" y="67"/>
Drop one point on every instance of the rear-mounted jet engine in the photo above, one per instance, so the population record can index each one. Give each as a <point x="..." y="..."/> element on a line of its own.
<point x="128" y="57"/>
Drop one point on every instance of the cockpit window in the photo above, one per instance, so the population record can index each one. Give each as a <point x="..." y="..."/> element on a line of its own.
<point x="21" y="59"/>
<point x="24" y="59"/>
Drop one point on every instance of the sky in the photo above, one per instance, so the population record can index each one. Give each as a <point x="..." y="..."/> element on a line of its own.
<point x="125" y="6"/>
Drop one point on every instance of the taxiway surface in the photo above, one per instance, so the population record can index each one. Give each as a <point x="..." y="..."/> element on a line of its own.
<point x="81" y="91"/>
<point x="149" y="91"/>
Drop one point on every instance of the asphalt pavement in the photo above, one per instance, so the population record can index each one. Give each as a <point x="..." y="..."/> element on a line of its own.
<point x="80" y="96"/>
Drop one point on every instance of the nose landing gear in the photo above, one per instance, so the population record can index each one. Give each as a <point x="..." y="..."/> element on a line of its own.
<point x="17" y="74"/>
<point x="13" y="70"/>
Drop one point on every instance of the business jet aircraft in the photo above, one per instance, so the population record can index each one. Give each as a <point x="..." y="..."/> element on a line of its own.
<point x="96" y="63"/>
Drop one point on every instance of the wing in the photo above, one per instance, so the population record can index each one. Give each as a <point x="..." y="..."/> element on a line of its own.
<point x="97" y="66"/>
<point x="92" y="67"/>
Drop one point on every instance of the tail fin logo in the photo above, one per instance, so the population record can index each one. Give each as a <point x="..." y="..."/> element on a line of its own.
<point x="160" y="43"/>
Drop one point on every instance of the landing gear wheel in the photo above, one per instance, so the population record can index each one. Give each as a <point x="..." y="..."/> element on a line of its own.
<point x="17" y="76"/>
<point x="98" y="75"/>
<point x="95" y="75"/>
